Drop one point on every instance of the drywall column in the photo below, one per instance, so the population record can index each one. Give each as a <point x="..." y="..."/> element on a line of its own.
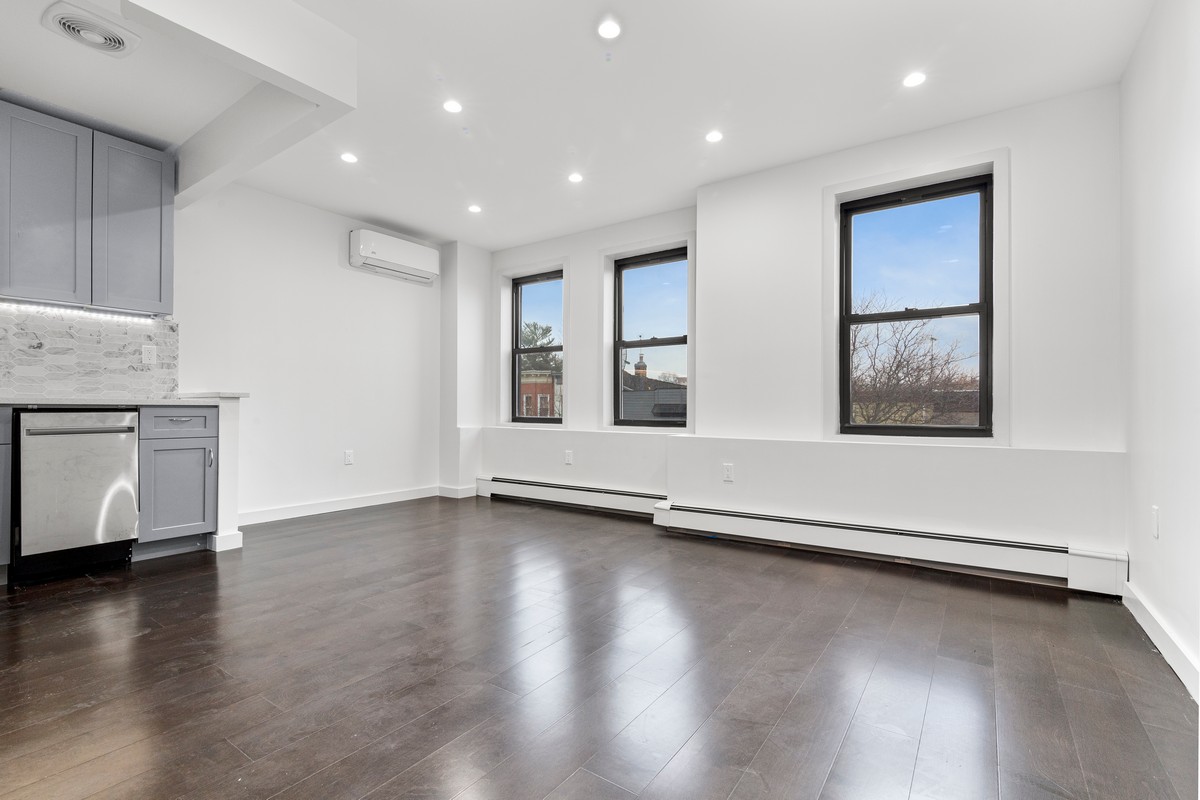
<point x="1160" y="126"/>
<point x="465" y="277"/>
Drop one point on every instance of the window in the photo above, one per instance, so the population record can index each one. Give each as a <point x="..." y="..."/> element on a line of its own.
<point x="916" y="311"/>
<point x="537" y="368"/>
<point x="650" y="347"/>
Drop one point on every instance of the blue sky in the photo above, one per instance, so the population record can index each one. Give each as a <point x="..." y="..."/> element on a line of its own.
<point x="655" y="305"/>
<point x="918" y="256"/>
<point x="923" y="255"/>
<point x="655" y="300"/>
<point x="542" y="303"/>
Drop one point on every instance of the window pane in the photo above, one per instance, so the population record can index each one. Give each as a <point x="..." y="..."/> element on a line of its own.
<point x="915" y="372"/>
<point x="540" y="384"/>
<point x="541" y="313"/>
<point x="922" y="255"/>
<point x="654" y="301"/>
<point x="654" y="384"/>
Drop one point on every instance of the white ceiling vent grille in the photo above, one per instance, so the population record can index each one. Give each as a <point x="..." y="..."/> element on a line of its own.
<point x="89" y="29"/>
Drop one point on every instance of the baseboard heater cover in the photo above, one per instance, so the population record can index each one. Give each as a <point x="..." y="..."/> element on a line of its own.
<point x="1088" y="570"/>
<point x="624" y="500"/>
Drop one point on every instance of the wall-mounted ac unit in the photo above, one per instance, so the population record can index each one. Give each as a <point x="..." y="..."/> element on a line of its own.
<point x="394" y="257"/>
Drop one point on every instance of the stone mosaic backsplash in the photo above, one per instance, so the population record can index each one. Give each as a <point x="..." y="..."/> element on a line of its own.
<point x="65" y="353"/>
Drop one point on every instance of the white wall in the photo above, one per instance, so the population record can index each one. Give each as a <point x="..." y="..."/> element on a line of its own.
<point x="1053" y="497"/>
<point x="587" y="308"/>
<point x="465" y="280"/>
<point x="766" y="271"/>
<point x="333" y="358"/>
<point x="764" y="341"/>
<point x="628" y="460"/>
<point x="1160" y="127"/>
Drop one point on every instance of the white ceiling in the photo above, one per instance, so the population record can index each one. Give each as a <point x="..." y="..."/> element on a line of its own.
<point x="545" y="96"/>
<point x="159" y="94"/>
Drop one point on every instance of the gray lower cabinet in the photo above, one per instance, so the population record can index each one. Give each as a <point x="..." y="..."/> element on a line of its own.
<point x="178" y="487"/>
<point x="5" y="502"/>
<point x="45" y="207"/>
<point x="85" y="218"/>
<point x="5" y="483"/>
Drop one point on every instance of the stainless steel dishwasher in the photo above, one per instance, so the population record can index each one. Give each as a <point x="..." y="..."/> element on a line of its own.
<point x="77" y="490"/>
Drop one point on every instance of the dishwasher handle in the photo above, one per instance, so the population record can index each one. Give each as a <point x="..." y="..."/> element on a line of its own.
<point x="80" y="431"/>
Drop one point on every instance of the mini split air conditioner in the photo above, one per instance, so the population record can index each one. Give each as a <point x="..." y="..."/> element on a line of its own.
<point x="393" y="257"/>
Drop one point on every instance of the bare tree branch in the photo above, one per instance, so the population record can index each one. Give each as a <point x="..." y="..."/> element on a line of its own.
<point x="900" y="374"/>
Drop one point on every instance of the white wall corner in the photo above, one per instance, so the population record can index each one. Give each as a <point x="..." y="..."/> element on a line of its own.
<point x="1097" y="571"/>
<point x="458" y="492"/>
<point x="1185" y="663"/>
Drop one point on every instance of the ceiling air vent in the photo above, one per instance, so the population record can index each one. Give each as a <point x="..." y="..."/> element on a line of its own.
<point x="89" y="29"/>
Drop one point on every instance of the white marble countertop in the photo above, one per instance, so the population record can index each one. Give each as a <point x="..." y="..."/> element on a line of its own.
<point x="181" y="399"/>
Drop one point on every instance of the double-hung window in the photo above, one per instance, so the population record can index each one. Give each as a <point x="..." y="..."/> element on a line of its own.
<point x="650" y="346"/>
<point x="916" y="311"/>
<point x="537" y="361"/>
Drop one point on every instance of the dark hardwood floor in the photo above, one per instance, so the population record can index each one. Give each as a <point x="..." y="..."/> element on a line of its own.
<point x="484" y="649"/>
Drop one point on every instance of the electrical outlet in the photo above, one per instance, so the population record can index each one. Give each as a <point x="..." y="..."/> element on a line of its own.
<point x="149" y="354"/>
<point x="348" y="457"/>
<point x="727" y="473"/>
<point x="1154" y="521"/>
<point x="568" y="457"/>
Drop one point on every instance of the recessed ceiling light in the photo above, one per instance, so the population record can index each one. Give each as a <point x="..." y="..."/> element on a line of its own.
<point x="714" y="136"/>
<point x="574" y="177"/>
<point x="474" y="209"/>
<point x="914" y="79"/>
<point x="349" y="158"/>
<point x="453" y="106"/>
<point x="609" y="28"/>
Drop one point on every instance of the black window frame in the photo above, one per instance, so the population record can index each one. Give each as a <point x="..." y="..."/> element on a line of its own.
<point x="518" y="351"/>
<point x="978" y="184"/>
<point x="619" y="266"/>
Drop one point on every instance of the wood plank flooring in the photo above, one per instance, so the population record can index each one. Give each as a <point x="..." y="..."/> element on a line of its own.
<point x="487" y="649"/>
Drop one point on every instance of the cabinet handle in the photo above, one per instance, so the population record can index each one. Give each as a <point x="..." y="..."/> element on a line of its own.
<point x="210" y="456"/>
<point x="179" y="419"/>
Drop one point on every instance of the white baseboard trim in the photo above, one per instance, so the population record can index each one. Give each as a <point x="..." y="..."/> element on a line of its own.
<point x="1086" y="570"/>
<point x="1097" y="571"/>
<point x="1185" y="663"/>
<point x="339" y="504"/>
<point x="623" y="500"/>
<point x="225" y="540"/>
<point x="458" y="492"/>
<point x="907" y="545"/>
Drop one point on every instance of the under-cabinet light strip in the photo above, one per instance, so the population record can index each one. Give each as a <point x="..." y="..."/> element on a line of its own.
<point x="29" y="308"/>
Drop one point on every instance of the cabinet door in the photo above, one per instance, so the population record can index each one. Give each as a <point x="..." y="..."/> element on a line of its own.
<point x="178" y="488"/>
<point x="133" y="207"/>
<point x="45" y="207"/>
<point x="5" y="502"/>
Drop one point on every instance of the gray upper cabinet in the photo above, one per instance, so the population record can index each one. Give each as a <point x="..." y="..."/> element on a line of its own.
<point x="45" y="207"/>
<point x="85" y="218"/>
<point x="133" y="198"/>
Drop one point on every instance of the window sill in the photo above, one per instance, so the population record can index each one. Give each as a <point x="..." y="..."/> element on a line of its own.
<point x="991" y="441"/>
